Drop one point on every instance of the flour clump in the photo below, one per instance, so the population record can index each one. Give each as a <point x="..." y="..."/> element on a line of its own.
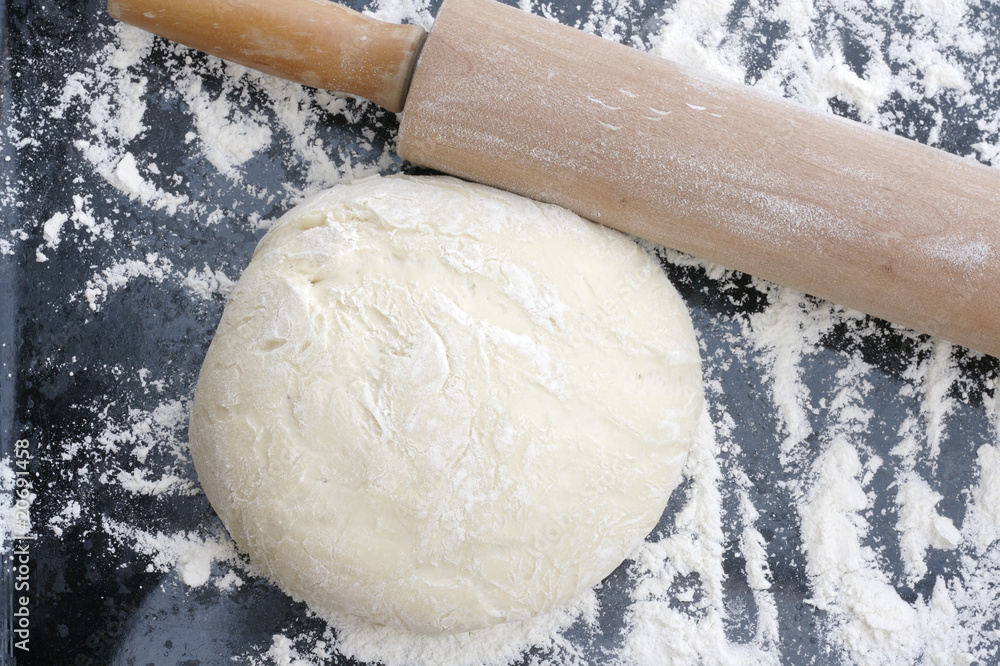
<point x="440" y="406"/>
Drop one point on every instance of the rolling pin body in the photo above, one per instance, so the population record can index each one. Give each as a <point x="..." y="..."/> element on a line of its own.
<point x="724" y="172"/>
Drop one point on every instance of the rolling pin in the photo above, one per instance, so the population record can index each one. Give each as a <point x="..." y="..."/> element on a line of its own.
<point x="721" y="171"/>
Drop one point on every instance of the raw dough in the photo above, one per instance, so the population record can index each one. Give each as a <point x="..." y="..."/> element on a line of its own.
<point x="441" y="406"/>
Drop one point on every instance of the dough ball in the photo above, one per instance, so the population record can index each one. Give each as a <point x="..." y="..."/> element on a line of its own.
<point x="440" y="406"/>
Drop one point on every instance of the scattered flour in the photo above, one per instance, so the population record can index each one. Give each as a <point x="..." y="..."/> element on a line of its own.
<point x="8" y="525"/>
<point x="52" y="227"/>
<point x="190" y="555"/>
<point x="785" y="333"/>
<point x="864" y="615"/>
<point x="985" y="519"/>
<point x="69" y="514"/>
<point x="124" y="176"/>
<point x="660" y="631"/>
<point x="920" y="526"/>
<point x="207" y="283"/>
<point x="120" y="274"/>
<point x="496" y="646"/>
<point x="111" y="97"/>
<point x="936" y="376"/>
<point x="228" y="136"/>
<point x="869" y="586"/>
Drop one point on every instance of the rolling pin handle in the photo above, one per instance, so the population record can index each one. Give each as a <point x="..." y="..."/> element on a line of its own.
<point x="313" y="42"/>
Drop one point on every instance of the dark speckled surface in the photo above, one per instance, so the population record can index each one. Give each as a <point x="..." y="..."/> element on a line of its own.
<point x="69" y="371"/>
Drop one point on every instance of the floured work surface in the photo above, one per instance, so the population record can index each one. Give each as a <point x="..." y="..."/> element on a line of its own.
<point x="843" y="508"/>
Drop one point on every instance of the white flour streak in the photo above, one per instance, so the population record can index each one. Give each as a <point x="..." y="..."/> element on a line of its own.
<point x="9" y="520"/>
<point x="228" y="136"/>
<point x="985" y="509"/>
<point x="920" y="526"/>
<point x="52" y="228"/>
<point x="686" y="567"/>
<point x="694" y="34"/>
<point x="936" y="377"/>
<point x="866" y="616"/>
<point x="190" y="555"/>
<point x="925" y="65"/>
<point x="785" y="333"/>
<point x="207" y="283"/>
<point x="495" y="646"/>
<point x="118" y="276"/>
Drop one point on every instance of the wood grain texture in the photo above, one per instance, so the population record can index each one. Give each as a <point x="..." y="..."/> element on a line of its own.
<point x="736" y="176"/>
<point x="313" y="42"/>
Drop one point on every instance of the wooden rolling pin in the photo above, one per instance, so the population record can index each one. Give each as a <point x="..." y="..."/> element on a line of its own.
<point x="724" y="172"/>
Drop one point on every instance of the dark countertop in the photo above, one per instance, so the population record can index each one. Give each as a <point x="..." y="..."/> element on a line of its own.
<point x="94" y="384"/>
